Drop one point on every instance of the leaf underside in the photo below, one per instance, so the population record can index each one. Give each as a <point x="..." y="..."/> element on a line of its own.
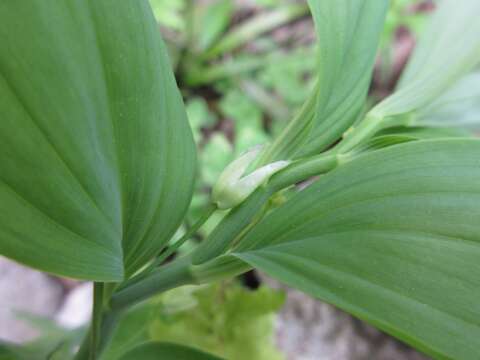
<point x="96" y="156"/>
<point x="392" y="237"/>
<point x="348" y="33"/>
<point x="440" y="60"/>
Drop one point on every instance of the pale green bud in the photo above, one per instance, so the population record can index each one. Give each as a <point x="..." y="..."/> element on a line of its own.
<point x="232" y="189"/>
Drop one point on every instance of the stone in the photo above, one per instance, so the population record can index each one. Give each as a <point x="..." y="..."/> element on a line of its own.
<point x="25" y="290"/>
<point x="77" y="307"/>
<point x="309" y="329"/>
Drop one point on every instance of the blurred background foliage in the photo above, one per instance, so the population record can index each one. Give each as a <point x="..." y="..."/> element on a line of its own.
<point x="225" y="319"/>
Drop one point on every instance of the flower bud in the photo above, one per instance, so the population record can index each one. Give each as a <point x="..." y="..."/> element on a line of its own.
<point x="232" y="189"/>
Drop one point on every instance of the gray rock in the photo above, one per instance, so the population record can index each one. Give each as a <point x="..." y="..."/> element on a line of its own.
<point x="308" y="329"/>
<point x="77" y="307"/>
<point x="25" y="290"/>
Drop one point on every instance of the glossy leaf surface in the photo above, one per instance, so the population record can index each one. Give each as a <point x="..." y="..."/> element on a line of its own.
<point x="392" y="237"/>
<point x="97" y="157"/>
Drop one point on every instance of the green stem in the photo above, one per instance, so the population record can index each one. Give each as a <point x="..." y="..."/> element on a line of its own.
<point x="165" y="278"/>
<point x="233" y="226"/>
<point x="96" y="318"/>
<point x="356" y="135"/>
<point x="293" y="134"/>
<point x="176" y="274"/>
<point x="230" y="226"/>
<point x="109" y="321"/>
<point x="90" y="345"/>
<point x="220" y="268"/>
<point x="171" y="276"/>
<point x="182" y="272"/>
<point x="84" y="352"/>
<point x="303" y="169"/>
<point x="170" y="250"/>
<point x="367" y="128"/>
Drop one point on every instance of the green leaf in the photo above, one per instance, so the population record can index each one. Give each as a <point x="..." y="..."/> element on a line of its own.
<point x="424" y="132"/>
<point x="97" y="157"/>
<point x="377" y="143"/>
<point x="458" y="107"/>
<point x="131" y="331"/>
<point x="348" y="34"/>
<point x="158" y="350"/>
<point x="448" y="50"/>
<point x="392" y="237"/>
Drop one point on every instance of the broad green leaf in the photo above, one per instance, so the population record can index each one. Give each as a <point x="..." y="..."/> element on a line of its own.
<point x="448" y="49"/>
<point x="97" y="157"/>
<point x="377" y="143"/>
<point x="348" y="33"/>
<point x="158" y="350"/>
<point x="424" y="132"/>
<point x="458" y="107"/>
<point x="392" y="237"/>
<point x="131" y="331"/>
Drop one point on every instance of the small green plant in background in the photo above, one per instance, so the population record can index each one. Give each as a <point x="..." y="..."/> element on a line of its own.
<point x="99" y="166"/>
<point x="223" y="319"/>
